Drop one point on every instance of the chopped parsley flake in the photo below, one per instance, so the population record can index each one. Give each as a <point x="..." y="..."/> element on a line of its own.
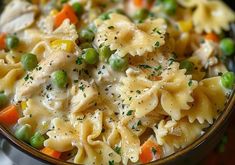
<point x="158" y="68"/>
<point x="111" y="27"/>
<point x="38" y="68"/>
<point x="157" y="31"/>
<point x="79" y="61"/>
<point x="190" y="83"/>
<point x="133" y="127"/>
<point x="154" y="151"/>
<point x="117" y="149"/>
<point x="138" y="91"/>
<point x="145" y="66"/>
<point x="26" y="77"/>
<point x="171" y="61"/>
<point x="157" y="44"/>
<point x="111" y="162"/>
<point x="49" y="87"/>
<point x="81" y="118"/>
<point x="81" y="87"/>
<point x="139" y="123"/>
<point x="220" y="74"/>
<point x="129" y="113"/>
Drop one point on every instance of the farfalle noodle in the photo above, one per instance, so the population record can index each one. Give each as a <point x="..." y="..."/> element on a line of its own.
<point x="165" y="82"/>
<point x="209" y="99"/>
<point x="173" y="92"/>
<point x="171" y="134"/>
<point x="129" y="38"/>
<point x="210" y="15"/>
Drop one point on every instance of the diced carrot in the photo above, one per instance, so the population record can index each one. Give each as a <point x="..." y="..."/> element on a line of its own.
<point x="50" y="152"/>
<point x="66" y="13"/>
<point x="212" y="37"/>
<point x="150" y="151"/>
<point x="2" y="41"/>
<point x="138" y="3"/>
<point x="9" y="115"/>
<point x="144" y="3"/>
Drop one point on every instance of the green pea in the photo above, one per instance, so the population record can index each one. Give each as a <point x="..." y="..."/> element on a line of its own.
<point x="90" y="56"/>
<point x="170" y="6"/>
<point x="59" y="78"/>
<point x="29" y="61"/>
<point x="24" y="133"/>
<point x="104" y="53"/>
<point x="141" y="14"/>
<point x="78" y="8"/>
<point x="37" y="140"/>
<point x="87" y="35"/>
<point x="187" y="65"/>
<point x="64" y="1"/>
<point x="228" y="80"/>
<point x="117" y="63"/>
<point x="3" y="100"/>
<point x="105" y="16"/>
<point x="227" y="46"/>
<point x="12" y="41"/>
<point x="85" y="45"/>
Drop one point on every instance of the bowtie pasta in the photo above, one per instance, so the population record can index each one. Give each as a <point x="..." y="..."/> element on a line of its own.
<point x="115" y="81"/>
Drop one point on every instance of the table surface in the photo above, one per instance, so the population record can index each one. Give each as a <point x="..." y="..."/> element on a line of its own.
<point x="224" y="153"/>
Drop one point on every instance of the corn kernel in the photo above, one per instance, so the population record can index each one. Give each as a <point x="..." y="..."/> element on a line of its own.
<point x="23" y="105"/>
<point x="54" y="12"/>
<point x="185" y="26"/>
<point x="65" y="45"/>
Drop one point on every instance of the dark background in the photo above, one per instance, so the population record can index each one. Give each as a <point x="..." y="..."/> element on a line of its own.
<point x="224" y="153"/>
<point x="231" y="3"/>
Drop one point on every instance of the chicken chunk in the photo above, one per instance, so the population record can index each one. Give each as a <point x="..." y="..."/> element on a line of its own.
<point x="18" y="15"/>
<point x="39" y="76"/>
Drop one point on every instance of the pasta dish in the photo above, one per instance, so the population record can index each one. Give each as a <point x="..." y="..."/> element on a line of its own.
<point x="104" y="82"/>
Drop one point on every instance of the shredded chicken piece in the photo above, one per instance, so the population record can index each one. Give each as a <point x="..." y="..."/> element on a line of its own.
<point x="206" y="54"/>
<point x="18" y="15"/>
<point x="40" y="75"/>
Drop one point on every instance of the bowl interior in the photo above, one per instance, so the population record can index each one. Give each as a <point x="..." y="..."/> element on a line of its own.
<point x="218" y="125"/>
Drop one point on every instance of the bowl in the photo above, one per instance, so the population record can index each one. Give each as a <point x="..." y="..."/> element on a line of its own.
<point x="191" y="154"/>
